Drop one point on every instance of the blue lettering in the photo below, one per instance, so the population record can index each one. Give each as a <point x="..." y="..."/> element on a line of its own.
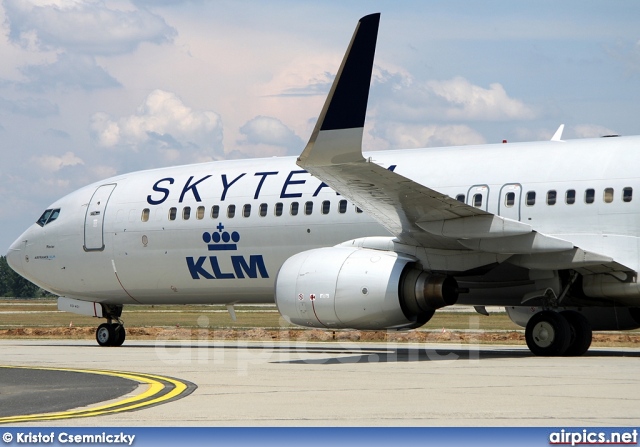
<point x="157" y="188"/>
<point x="196" y="268"/>
<point x="216" y="269"/>
<point x="193" y="188"/>
<point x="288" y="181"/>
<point x="264" y="176"/>
<point x="226" y="185"/>
<point x="256" y="263"/>
<point x="322" y="185"/>
<point x="242" y="268"/>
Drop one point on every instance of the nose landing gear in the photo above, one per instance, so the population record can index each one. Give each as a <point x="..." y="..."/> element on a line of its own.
<point x="111" y="333"/>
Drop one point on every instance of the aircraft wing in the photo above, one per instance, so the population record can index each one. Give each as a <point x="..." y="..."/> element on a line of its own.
<point x="415" y="214"/>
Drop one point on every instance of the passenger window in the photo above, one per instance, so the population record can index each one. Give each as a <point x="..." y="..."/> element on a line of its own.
<point x="263" y="209"/>
<point x="460" y="198"/>
<point x="551" y="197"/>
<point x="215" y="211"/>
<point x="608" y="195"/>
<point x="186" y="213"/>
<point x="294" y="208"/>
<point x="510" y="199"/>
<point x="200" y="213"/>
<point x="477" y="200"/>
<point x="145" y="215"/>
<point x="173" y="212"/>
<point x="589" y="195"/>
<point x="278" y="209"/>
<point x="531" y="198"/>
<point x="627" y="194"/>
<point x="342" y="206"/>
<point x="231" y="211"/>
<point x="570" y="196"/>
<point x="326" y="207"/>
<point x="308" y="208"/>
<point x="246" y="210"/>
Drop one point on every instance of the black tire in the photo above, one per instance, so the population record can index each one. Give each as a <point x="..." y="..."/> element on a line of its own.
<point x="119" y="334"/>
<point x="581" y="333"/>
<point x="105" y="334"/>
<point x="548" y="334"/>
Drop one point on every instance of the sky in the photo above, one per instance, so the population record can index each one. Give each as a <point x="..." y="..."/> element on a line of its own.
<point x="91" y="89"/>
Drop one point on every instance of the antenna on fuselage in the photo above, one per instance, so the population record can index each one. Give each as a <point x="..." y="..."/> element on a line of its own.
<point x="558" y="135"/>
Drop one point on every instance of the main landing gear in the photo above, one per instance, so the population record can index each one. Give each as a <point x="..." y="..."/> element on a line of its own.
<point x="550" y="333"/>
<point x="111" y="333"/>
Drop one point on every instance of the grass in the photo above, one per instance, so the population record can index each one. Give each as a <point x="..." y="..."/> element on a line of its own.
<point x="44" y="313"/>
<point x="40" y="318"/>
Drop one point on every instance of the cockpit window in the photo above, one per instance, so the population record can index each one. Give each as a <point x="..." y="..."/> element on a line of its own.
<point x="54" y="215"/>
<point x="48" y="216"/>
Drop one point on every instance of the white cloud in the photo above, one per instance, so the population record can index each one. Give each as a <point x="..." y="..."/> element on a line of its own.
<point x="304" y="76"/>
<point x="465" y="101"/>
<point x="266" y="130"/>
<point x="53" y="163"/>
<point x="405" y="136"/>
<point x="397" y="96"/>
<point x="162" y="123"/>
<point x="105" y="131"/>
<point x="83" y="26"/>
<point x="406" y="113"/>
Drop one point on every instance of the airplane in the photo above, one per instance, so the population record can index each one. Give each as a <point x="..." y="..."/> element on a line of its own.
<point x="340" y="238"/>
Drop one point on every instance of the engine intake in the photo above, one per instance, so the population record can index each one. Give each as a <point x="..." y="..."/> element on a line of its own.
<point x="359" y="288"/>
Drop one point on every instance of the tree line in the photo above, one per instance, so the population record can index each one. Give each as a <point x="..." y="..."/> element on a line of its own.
<point x="14" y="285"/>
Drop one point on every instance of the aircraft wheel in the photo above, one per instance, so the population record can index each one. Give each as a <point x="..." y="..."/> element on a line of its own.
<point x="120" y="334"/>
<point x="581" y="333"/>
<point x="548" y="334"/>
<point x="105" y="334"/>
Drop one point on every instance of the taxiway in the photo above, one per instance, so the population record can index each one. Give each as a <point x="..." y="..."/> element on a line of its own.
<point x="354" y="384"/>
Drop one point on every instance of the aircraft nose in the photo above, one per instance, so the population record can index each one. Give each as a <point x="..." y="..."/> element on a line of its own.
<point x="15" y="256"/>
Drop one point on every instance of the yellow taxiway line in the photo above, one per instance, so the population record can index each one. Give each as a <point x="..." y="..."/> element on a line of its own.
<point x="161" y="390"/>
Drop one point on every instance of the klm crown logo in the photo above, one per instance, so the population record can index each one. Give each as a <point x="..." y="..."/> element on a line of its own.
<point x="221" y="240"/>
<point x="225" y="267"/>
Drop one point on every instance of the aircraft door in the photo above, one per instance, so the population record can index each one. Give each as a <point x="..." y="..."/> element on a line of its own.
<point x="510" y="199"/>
<point x="478" y="196"/>
<point x="94" y="219"/>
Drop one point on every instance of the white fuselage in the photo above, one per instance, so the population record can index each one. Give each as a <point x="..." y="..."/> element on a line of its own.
<point x="155" y="237"/>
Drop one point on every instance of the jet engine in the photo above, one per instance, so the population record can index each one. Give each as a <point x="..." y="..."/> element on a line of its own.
<point x="360" y="288"/>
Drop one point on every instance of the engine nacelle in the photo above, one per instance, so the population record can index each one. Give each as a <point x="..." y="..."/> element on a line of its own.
<point x="359" y="288"/>
<point x="625" y="290"/>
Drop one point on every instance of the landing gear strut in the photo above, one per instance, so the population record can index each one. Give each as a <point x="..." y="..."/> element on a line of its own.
<point x="111" y="333"/>
<point x="550" y="333"/>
